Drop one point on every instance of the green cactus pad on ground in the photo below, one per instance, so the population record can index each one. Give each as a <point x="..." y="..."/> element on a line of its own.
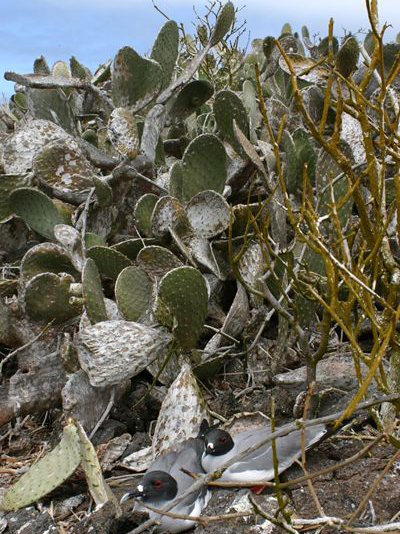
<point x="183" y="290"/>
<point x="93" y="293"/>
<point x="36" y="209"/>
<point x="104" y="193"/>
<point x="109" y="261"/>
<point x="228" y="107"/>
<point x="165" y="50"/>
<point x="135" y="80"/>
<point x="48" y="473"/>
<point x="133" y="291"/>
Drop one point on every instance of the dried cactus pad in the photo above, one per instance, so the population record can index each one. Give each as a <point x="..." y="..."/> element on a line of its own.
<point x="208" y="213"/>
<point x="135" y="80"/>
<point x="113" y="351"/>
<point x="47" y="473"/>
<point x="36" y="209"/>
<point x="181" y="413"/>
<point x="123" y="133"/>
<point x="133" y="292"/>
<point x="183" y="290"/>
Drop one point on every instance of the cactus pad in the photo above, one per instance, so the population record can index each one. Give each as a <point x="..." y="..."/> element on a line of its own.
<point x="8" y="184"/>
<point x="183" y="290"/>
<point x="190" y="98"/>
<point x="109" y="261"/>
<point x="165" y="50"/>
<point x="228" y="107"/>
<point x="223" y="23"/>
<point x="157" y="261"/>
<point x="47" y="298"/>
<point x="123" y="133"/>
<point x="143" y="211"/>
<point x="48" y="473"/>
<point x="135" y="80"/>
<point x="133" y="291"/>
<point x="112" y="351"/>
<point x="208" y="213"/>
<point x="36" y="209"/>
<point x="93" y="293"/>
<point x="45" y="258"/>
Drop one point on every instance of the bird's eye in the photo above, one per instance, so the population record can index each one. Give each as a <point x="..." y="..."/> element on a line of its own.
<point x="157" y="483"/>
<point x="222" y="440"/>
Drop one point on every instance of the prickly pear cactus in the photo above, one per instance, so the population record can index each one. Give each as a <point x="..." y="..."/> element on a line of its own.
<point x="208" y="213"/>
<point x="36" y="209"/>
<point x="93" y="293"/>
<point x="104" y="193"/>
<point x="8" y="184"/>
<point x="48" y="473"/>
<point x="47" y="298"/>
<point x="143" y="211"/>
<point x="109" y="261"/>
<point x="165" y="50"/>
<point x="157" y="261"/>
<point x="45" y="258"/>
<point x="135" y="80"/>
<point x="183" y="290"/>
<point x="227" y="108"/>
<point x="223" y="23"/>
<point x="190" y="98"/>
<point x="123" y="133"/>
<point x="203" y="166"/>
<point x="168" y="214"/>
<point x="133" y="292"/>
<point x="347" y="56"/>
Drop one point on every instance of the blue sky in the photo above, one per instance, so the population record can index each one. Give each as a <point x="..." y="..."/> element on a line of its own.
<point x="93" y="30"/>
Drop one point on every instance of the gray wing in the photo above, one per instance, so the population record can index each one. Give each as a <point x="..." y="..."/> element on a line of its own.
<point x="288" y="449"/>
<point x="164" y="462"/>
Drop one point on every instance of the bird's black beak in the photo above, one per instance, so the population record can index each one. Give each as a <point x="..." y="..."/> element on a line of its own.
<point x="136" y="494"/>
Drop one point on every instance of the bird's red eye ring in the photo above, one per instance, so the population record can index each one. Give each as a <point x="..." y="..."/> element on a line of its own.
<point x="222" y="440"/>
<point x="157" y="483"/>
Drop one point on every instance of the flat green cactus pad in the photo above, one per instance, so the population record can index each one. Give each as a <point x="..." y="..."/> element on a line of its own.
<point x="109" y="261"/>
<point x="45" y="258"/>
<point x="8" y="184"/>
<point x="190" y="98"/>
<point x="47" y="298"/>
<point x="93" y="293"/>
<point x="184" y="292"/>
<point x="157" y="261"/>
<point x="48" y="473"/>
<point x="143" y="211"/>
<point x="36" y="209"/>
<point x="224" y="21"/>
<point x="165" y="50"/>
<point x="133" y="291"/>
<point x="228" y="107"/>
<point x="203" y="166"/>
<point x="135" y="80"/>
